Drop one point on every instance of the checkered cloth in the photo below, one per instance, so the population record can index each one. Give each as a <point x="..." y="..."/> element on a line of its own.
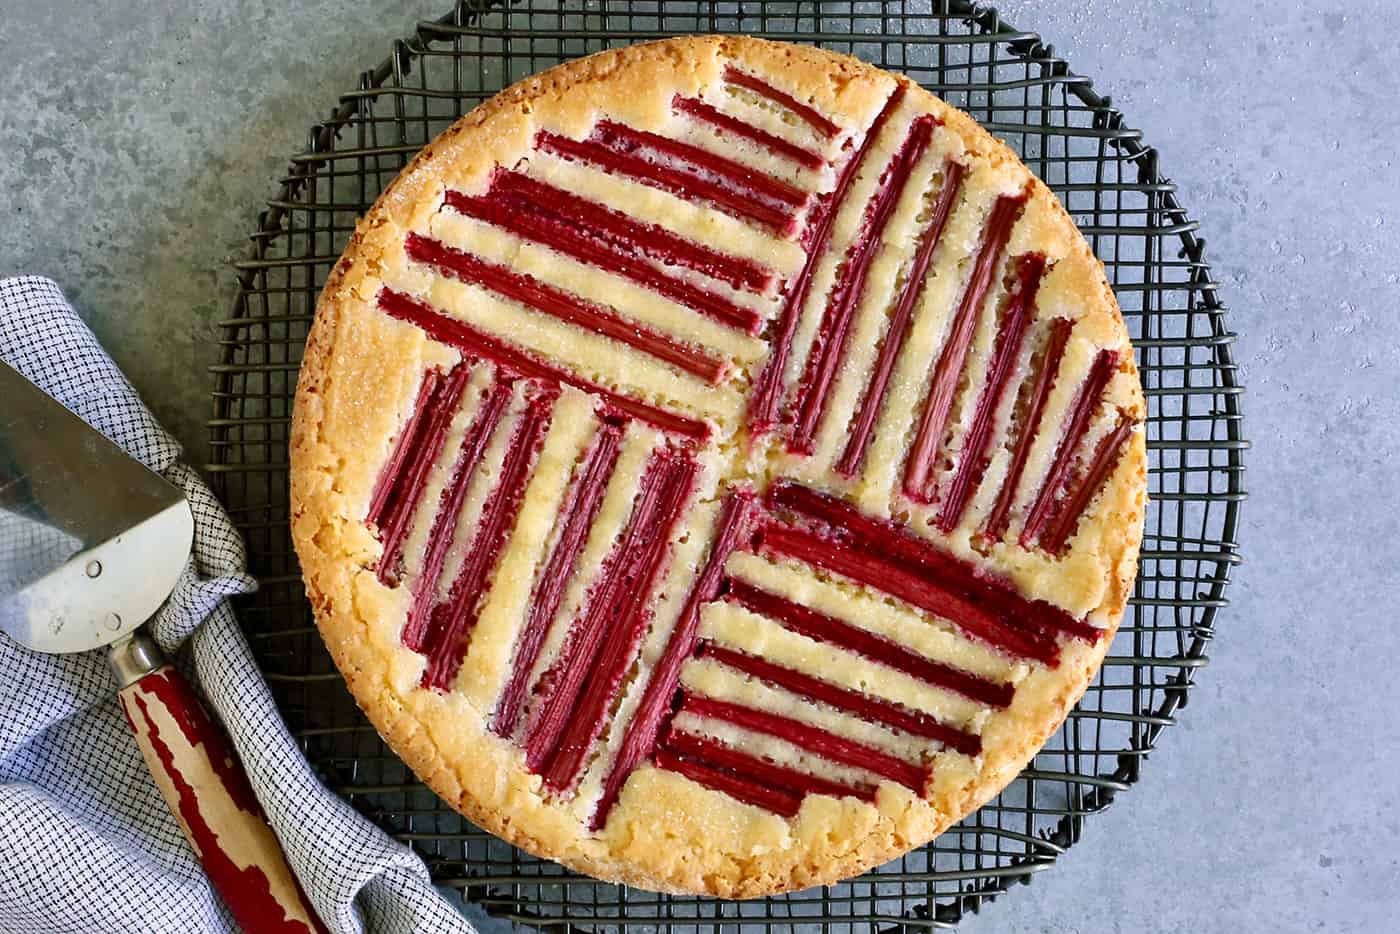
<point x="86" y="842"/>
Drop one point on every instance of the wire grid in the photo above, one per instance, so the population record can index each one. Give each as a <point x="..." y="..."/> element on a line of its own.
<point x="1072" y="138"/>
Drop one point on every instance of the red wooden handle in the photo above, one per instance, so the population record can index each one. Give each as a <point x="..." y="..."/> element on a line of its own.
<point x="204" y="784"/>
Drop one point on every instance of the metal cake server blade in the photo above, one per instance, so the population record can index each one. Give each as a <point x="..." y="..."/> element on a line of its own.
<point x="91" y="545"/>
<point x="91" y="540"/>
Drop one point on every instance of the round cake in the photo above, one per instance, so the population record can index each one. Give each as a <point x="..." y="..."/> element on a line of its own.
<point x="717" y="465"/>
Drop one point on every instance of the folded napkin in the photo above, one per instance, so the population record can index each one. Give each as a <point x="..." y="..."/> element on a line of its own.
<point x="86" y="842"/>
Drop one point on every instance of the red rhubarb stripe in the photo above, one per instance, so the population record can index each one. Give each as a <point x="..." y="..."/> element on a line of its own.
<point x="1105" y="459"/>
<point x="870" y="709"/>
<point x="576" y="518"/>
<point x="898" y="331"/>
<point x="1011" y="335"/>
<point x="444" y="530"/>
<point x="778" y="800"/>
<point x="798" y="109"/>
<point x="1077" y="425"/>
<point x="404" y="476"/>
<point x="947" y="372"/>
<point x="656" y="703"/>
<point x="699" y="110"/>
<point x="629" y="565"/>
<point x="829" y="346"/>
<point x="769" y="774"/>
<point x="812" y="738"/>
<point x="822" y="628"/>
<point x="994" y="529"/>
<point x="571" y="309"/>
<point x="452" y="621"/>
<point x="900" y="547"/>
<point x="624" y="639"/>
<point x="389" y="487"/>
<point x="768" y="391"/>
<point x="531" y="222"/>
<point x="690" y="185"/>
<point x="627" y="234"/>
<point x="480" y="345"/>
<point x="874" y="570"/>
<point x="622" y="138"/>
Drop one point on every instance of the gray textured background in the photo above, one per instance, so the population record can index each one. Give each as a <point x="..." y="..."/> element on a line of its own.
<point x="136" y="139"/>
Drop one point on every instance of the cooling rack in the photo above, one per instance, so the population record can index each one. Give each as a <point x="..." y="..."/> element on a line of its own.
<point x="1075" y="140"/>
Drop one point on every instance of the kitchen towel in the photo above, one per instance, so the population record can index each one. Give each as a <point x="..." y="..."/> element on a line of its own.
<point x="87" y="843"/>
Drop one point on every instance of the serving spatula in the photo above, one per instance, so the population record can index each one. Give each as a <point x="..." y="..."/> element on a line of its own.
<point x="91" y="545"/>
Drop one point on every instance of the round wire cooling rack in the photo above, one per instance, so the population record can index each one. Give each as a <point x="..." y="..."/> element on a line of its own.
<point x="1071" y="137"/>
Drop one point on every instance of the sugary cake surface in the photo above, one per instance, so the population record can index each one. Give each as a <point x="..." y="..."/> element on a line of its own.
<point x="717" y="465"/>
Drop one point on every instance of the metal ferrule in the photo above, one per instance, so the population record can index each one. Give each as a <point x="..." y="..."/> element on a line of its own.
<point x="134" y="657"/>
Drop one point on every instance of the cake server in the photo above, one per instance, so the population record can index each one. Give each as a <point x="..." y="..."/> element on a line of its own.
<point x="91" y="545"/>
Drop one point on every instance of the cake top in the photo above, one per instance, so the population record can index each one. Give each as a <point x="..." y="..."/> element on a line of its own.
<point x="717" y="465"/>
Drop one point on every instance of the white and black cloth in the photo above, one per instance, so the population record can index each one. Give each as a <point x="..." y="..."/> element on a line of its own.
<point x="86" y="843"/>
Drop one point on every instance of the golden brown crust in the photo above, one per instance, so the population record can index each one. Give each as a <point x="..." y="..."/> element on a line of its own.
<point x="467" y="768"/>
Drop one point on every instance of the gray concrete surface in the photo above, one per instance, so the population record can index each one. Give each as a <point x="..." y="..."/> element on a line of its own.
<point x="136" y="138"/>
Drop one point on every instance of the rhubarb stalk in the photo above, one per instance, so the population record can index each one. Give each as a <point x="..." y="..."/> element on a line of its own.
<point x="452" y="621"/>
<point x="625" y="636"/>
<point x="812" y="738"/>
<point x="919" y="468"/>
<point x="897" y="545"/>
<point x="622" y="138"/>
<point x="402" y="479"/>
<point x="829" y="346"/>
<point x="1081" y="412"/>
<point x="535" y="223"/>
<point x="629" y="235"/>
<point x="900" y="322"/>
<point x="994" y="529"/>
<point x="874" y="570"/>
<point x="822" y="628"/>
<point x="760" y="771"/>
<point x="699" y="110"/>
<point x="576" y="517"/>
<point x="571" y="309"/>
<point x="863" y="706"/>
<point x="608" y="150"/>
<point x="1010" y="336"/>
<point x="388" y="488"/>
<point x="480" y="345"/>
<point x="609" y="614"/>
<point x="444" y="528"/>
<point x="655" y="706"/>
<point x="1105" y="459"/>
<point x="768" y="391"/>
<point x="741" y="788"/>
<point x="798" y="109"/>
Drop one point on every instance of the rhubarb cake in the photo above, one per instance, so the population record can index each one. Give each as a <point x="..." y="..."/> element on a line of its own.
<point x="717" y="465"/>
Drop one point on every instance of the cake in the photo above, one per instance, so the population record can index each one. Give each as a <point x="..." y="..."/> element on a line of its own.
<point x="717" y="465"/>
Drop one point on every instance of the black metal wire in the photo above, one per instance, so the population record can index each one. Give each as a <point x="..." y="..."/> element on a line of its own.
<point x="1071" y="137"/>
